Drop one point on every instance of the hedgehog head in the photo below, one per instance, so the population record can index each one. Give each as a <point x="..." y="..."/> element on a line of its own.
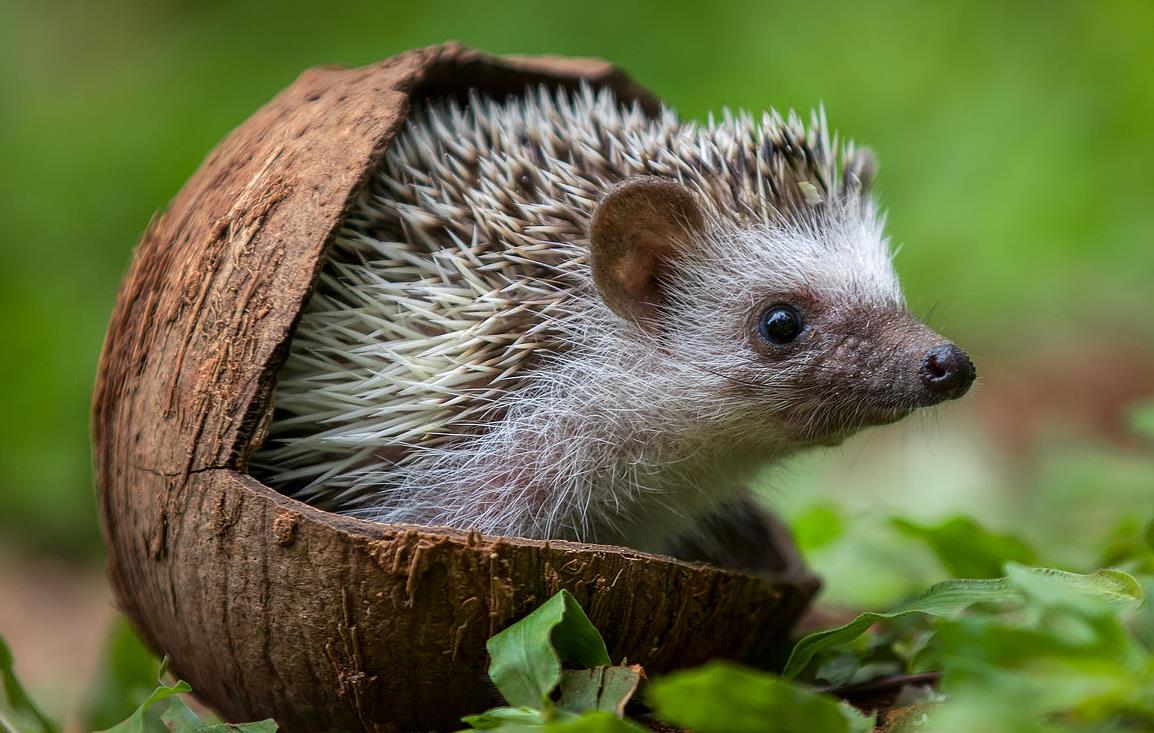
<point x="793" y="324"/>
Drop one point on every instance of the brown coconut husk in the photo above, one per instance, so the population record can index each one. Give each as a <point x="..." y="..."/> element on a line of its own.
<point x="269" y="607"/>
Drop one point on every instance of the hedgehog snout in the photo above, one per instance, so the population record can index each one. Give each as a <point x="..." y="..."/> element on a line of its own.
<point x="946" y="372"/>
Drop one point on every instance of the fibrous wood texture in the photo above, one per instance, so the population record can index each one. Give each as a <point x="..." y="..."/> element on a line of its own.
<point x="271" y="608"/>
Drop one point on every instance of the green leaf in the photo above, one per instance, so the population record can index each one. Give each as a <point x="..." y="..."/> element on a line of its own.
<point x="816" y="527"/>
<point x="858" y="723"/>
<point x="526" y="657"/>
<point x="945" y="599"/>
<point x="838" y="670"/>
<point x="526" y="720"/>
<point x="601" y="688"/>
<point x="495" y="718"/>
<point x="597" y="721"/>
<point x="129" y="673"/>
<point x="951" y="598"/>
<point x="721" y="697"/>
<point x="176" y="717"/>
<point x="15" y="702"/>
<point x="1129" y="545"/>
<point x="179" y="718"/>
<point x="967" y="549"/>
<point x="1044" y="671"/>
<point x="1142" y="420"/>
<point x="1102" y="593"/>
<point x="139" y="721"/>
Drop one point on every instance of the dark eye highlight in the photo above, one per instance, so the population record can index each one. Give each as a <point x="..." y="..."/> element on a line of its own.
<point x="780" y="324"/>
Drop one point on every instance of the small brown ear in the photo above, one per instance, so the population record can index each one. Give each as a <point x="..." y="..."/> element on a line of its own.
<point x="636" y="229"/>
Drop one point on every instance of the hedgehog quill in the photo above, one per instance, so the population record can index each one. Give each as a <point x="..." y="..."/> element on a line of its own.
<point x="555" y="316"/>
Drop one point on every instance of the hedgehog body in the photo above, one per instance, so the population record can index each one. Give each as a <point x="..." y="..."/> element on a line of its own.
<point x="555" y="316"/>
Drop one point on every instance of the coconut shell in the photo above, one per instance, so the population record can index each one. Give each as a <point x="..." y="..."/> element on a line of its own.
<point x="269" y="607"/>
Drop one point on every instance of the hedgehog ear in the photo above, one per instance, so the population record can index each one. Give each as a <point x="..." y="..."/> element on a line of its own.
<point x="637" y="228"/>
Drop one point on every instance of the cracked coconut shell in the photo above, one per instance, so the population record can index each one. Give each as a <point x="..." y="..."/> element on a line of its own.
<point x="270" y="607"/>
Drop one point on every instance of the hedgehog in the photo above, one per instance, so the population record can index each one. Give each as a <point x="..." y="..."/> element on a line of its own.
<point x="556" y="315"/>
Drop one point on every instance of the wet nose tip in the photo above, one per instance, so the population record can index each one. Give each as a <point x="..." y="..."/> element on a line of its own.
<point x="947" y="372"/>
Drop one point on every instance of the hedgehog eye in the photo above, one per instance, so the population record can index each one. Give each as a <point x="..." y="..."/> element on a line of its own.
<point x="780" y="324"/>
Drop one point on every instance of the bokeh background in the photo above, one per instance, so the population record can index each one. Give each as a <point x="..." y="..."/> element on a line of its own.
<point x="1017" y="150"/>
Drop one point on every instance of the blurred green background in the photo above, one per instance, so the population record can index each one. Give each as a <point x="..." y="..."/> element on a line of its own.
<point x="1017" y="150"/>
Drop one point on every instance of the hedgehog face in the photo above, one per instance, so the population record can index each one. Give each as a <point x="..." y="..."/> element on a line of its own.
<point x="830" y="368"/>
<point x="828" y="338"/>
<point x="790" y="333"/>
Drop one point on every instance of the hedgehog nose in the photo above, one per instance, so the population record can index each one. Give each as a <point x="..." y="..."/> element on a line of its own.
<point x="947" y="372"/>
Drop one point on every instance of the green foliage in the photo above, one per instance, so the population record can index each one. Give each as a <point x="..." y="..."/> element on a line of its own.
<point x="129" y="674"/>
<point x="967" y="549"/>
<point x="1070" y="663"/>
<point x="18" y="714"/>
<point x="605" y="689"/>
<point x="817" y="526"/>
<point x="525" y="665"/>
<point x="1039" y="652"/>
<point x="724" y="698"/>
<point x="949" y="599"/>
<point x="179" y="718"/>
<point x="527" y="656"/>
<point x="531" y="720"/>
<point x="163" y="711"/>
<point x="1142" y="420"/>
<point x="144" y="719"/>
<point x="1036" y="650"/>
